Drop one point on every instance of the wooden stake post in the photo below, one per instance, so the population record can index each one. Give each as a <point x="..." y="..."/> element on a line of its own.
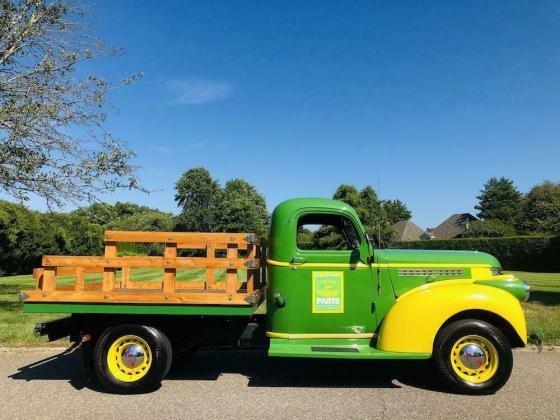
<point x="165" y="290"/>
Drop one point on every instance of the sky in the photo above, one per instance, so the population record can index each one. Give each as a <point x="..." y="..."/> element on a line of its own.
<point x="428" y="100"/>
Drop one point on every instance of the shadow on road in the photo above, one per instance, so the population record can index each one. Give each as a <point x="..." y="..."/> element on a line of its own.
<point x="65" y="366"/>
<point x="260" y="371"/>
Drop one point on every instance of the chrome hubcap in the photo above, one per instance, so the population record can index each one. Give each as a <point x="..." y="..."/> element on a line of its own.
<point x="132" y="356"/>
<point x="472" y="356"/>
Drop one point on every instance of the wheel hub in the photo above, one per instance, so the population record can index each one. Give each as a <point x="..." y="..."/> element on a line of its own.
<point x="474" y="359"/>
<point x="132" y="356"/>
<point x="129" y="358"/>
<point x="472" y="356"/>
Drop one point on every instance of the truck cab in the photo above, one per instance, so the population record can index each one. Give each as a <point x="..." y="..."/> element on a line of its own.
<point x="330" y="294"/>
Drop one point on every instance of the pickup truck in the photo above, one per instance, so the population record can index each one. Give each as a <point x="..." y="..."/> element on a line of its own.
<point x="319" y="289"/>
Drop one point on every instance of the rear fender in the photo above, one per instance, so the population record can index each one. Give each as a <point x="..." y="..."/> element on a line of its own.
<point x="414" y="320"/>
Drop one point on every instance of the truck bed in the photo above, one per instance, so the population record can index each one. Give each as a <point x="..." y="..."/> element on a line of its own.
<point x="238" y="254"/>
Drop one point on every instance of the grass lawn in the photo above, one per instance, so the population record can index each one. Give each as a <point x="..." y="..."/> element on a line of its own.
<point x="16" y="328"/>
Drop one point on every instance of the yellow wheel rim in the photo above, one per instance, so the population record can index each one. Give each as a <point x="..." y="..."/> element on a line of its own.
<point x="474" y="359"/>
<point x="129" y="358"/>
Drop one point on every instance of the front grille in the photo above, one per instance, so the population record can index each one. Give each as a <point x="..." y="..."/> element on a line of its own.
<point x="421" y="272"/>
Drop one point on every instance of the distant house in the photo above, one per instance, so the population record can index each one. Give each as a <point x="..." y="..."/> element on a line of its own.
<point x="454" y="226"/>
<point x="407" y="231"/>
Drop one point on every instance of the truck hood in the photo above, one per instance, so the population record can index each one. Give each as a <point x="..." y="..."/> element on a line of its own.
<point x="412" y="256"/>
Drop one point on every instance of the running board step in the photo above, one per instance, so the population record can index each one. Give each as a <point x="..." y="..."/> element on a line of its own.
<point x="334" y="349"/>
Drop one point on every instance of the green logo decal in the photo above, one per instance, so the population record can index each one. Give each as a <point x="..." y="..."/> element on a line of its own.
<point x="328" y="292"/>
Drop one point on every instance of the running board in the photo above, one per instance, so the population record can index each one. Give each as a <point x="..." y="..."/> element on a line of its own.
<point x="334" y="349"/>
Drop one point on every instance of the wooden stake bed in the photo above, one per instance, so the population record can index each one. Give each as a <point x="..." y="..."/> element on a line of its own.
<point x="115" y="288"/>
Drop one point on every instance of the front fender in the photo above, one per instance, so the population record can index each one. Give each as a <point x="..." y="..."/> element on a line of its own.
<point x="412" y="323"/>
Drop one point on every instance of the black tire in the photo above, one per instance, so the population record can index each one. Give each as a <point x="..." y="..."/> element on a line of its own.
<point x="485" y="377"/>
<point x="148" y="377"/>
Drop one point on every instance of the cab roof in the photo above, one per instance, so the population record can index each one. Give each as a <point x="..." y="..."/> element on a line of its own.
<point x="324" y="203"/>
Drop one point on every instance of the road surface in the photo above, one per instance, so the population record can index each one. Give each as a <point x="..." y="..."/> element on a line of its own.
<point x="245" y="384"/>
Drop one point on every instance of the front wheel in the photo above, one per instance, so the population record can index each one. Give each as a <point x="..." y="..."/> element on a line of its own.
<point x="473" y="357"/>
<point x="132" y="358"/>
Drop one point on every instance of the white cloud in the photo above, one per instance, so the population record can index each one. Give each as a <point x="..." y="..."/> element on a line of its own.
<point x="198" y="91"/>
<point x="185" y="147"/>
<point x="162" y="149"/>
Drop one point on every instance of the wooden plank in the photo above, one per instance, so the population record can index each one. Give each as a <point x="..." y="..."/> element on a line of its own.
<point x="231" y="273"/>
<point x="190" y="285"/>
<point x="158" y="285"/>
<point x="38" y="276"/>
<point x="210" y="280"/>
<point x="169" y="274"/>
<point x="142" y="262"/>
<point x="156" y="297"/>
<point x="148" y="285"/>
<point x="251" y="255"/>
<point x="125" y="277"/>
<point x="80" y="279"/>
<point x="49" y="279"/>
<point x="109" y="273"/>
<point x="199" y="245"/>
<point x="71" y="271"/>
<point x="261" y="270"/>
<point x="177" y="237"/>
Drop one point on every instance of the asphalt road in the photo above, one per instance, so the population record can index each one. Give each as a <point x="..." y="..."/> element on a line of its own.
<point x="245" y="384"/>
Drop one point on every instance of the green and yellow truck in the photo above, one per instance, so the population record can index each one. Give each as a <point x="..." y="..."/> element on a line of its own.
<point x="319" y="289"/>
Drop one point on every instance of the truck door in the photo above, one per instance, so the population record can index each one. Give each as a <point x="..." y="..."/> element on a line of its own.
<point x="331" y="285"/>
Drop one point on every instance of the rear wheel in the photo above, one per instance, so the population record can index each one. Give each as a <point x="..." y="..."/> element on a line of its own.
<point x="473" y="357"/>
<point x="132" y="358"/>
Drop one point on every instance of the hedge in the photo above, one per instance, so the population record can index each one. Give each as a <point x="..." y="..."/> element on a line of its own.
<point x="522" y="253"/>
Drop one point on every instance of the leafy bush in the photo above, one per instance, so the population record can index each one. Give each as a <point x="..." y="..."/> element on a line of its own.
<point x="522" y="253"/>
<point x="489" y="229"/>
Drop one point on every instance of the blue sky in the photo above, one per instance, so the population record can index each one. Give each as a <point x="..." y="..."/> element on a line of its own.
<point x="431" y="98"/>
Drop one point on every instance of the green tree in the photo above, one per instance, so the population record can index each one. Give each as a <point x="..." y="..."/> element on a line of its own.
<point x="145" y="220"/>
<point x="370" y="211"/>
<point x="198" y="195"/>
<point x="242" y="209"/>
<point x="83" y="237"/>
<point x="373" y="217"/>
<point x="540" y="212"/>
<point x="396" y="210"/>
<point x="499" y="200"/>
<point x="347" y="193"/>
<point x="99" y="213"/>
<point x="25" y="237"/>
<point x="52" y="137"/>
<point x="489" y="229"/>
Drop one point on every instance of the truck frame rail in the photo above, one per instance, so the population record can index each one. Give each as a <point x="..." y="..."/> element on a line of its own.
<point x="222" y="252"/>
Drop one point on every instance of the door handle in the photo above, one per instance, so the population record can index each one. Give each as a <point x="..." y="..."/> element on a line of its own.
<point x="298" y="260"/>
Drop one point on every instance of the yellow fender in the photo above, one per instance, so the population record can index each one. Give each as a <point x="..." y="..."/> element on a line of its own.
<point x="414" y="320"/>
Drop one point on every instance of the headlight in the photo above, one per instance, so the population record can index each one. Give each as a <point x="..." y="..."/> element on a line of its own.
<point x="527" y="290"/>
<point x="497" y="271"/>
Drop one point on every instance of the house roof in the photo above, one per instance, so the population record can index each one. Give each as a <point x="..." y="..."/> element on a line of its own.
<point x="407" y="231"/>
<point x="453" y="226"/>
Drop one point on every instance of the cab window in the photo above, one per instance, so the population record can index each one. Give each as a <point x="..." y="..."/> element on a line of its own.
<point x="326" y="232"/>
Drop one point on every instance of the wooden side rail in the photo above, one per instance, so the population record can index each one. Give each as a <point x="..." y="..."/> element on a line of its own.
<point x="194" y="240"/>
<point x="145" y="262"/>
<point x="168" y="289"/>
